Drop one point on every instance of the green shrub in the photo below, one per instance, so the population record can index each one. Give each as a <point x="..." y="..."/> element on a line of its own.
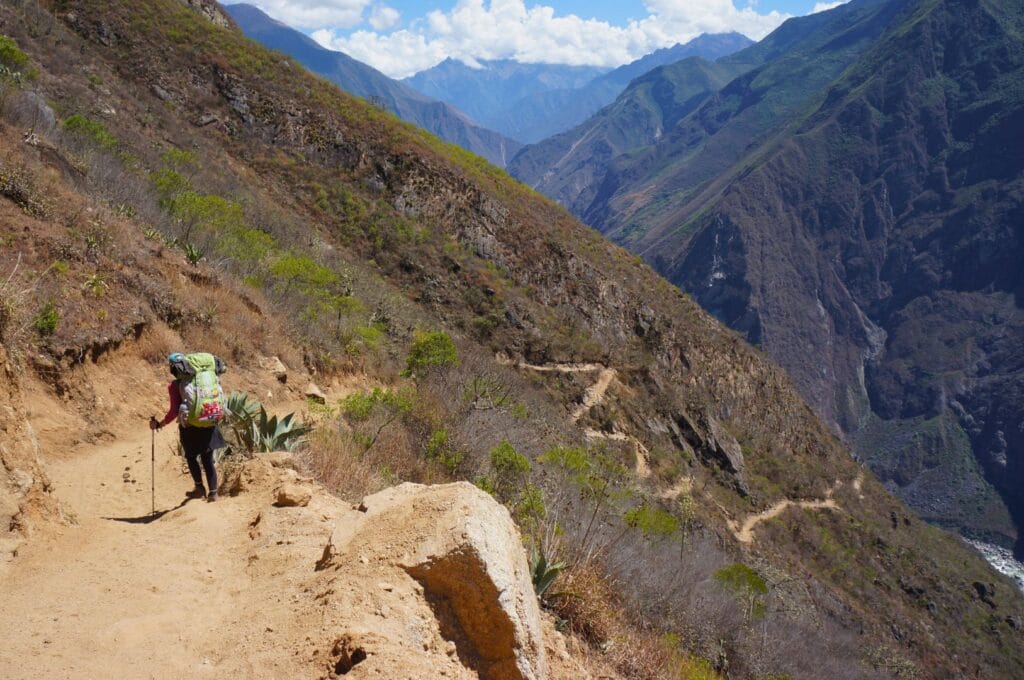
<point x="439" y="450"/>
<point x="386" y="406"/>
<point x="245" y="244"/>
<point x="430" y="349"/>
<point x="364" y="338"/>
<point x="10" y="55"/>
<point x="14" y="64"/>
<point x="530" y="512"/>
<point x="92" y="130"/>
<point x="180" y="158"/>
<point x="205" y="213"/>
<point x="602" y="480"/>
<point x="747" y="585"/>
<point x="47" y="320"/>
<point x="509" y="469"/>
<point x="169" y="183"/>
<point x="303" y="274"/>
<point x="652" y="522"/>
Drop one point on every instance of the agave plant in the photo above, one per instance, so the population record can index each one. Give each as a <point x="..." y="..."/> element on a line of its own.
<point x="251" y="429"/>
<point x="241" y="417"/>
<point x="543" y="573"/>
<point x="272" y="434"/>
<point x="192" y="253"/>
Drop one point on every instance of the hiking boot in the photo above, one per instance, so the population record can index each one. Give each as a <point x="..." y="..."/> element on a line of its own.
<point x="198" y="492"/>
<point x="212" y="497"/>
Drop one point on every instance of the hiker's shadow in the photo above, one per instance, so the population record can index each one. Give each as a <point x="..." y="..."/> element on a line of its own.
<point x="148" y="518"/>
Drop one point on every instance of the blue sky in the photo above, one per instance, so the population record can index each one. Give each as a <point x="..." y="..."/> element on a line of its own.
<point x="401" y="37"/>
<point x="614" y="11"/>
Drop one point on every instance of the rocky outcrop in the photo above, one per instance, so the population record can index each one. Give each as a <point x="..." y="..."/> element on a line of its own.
<point x="414" y="581"/>
<point x="460" y="549"/>
<point x="211" y="10"/>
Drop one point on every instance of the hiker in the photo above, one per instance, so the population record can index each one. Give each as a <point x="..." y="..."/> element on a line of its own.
<point x="197" y="403"/>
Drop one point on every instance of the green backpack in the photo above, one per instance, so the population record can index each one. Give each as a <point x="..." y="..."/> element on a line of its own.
<point x="202" y="398"/>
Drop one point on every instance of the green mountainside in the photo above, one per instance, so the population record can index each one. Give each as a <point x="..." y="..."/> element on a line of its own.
<point x="683" y="124"/>
<point x="165" y="178"/>
<point x="858" y="201"/>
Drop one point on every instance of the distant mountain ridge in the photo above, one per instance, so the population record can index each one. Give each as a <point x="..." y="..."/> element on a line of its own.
<point x="363" y="80"/>
<point x="852" y="201"/>
<point x="530" y="102"/>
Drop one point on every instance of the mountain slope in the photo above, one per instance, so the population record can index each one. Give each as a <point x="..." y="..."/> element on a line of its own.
<point x="780" y="76"/>
<point x="540" y="115"/>
<point x="364" y="81"/>
<point x="871" y="221"/>
<point x="211" y="194"/>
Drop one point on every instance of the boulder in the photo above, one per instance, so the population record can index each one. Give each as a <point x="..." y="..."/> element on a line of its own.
<point x="714" y="443"/>
<point x="291" y="495"/>
<point x="464" y="551"/>
<point x="275" y="366"/>
<point x="727" y="448"/>
<point x="315" y="393"/>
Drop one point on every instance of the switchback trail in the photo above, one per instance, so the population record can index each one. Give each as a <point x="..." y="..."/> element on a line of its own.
<point x="595" y="395"/>
<point x="127" y="595"/>
<point x="745" y="532"/>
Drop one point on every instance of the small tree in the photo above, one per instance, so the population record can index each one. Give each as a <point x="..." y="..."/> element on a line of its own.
<point x="430" y="349"/>
<point x="386" y="406"/>
<point x="509" y="469"/>
<point x="747" y="585"/>
<point x="600" y="478"/>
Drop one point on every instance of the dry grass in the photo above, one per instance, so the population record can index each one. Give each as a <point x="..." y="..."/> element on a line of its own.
<point x="157" y="342"/>
<point x="332" y="458"/>
<point x="342" y="464"/>
<point x="591" y="605"/>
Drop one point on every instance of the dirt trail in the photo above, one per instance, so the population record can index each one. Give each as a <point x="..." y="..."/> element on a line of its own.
<point x="745" y="533"/>
<point x="126" y="595"/>
<point x="595" y="395"/>
<point x="678" y="489"/>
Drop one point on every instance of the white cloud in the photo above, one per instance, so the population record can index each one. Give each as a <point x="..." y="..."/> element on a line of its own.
<point x="496" y="29"/>
<point x="383" y="17"/>
<point x="825" y="6"/>
<point x="315" y="14"/>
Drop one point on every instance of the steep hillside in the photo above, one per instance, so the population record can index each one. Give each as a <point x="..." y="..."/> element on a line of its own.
<point x="210" y="194"/>
<point x="357" y="78"/>
<point x="872" y="220"/>
<point x="573" y="167"/>
<point x="681" y="125"/>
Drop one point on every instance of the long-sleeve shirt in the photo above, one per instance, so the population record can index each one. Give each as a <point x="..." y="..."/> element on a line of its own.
<point x="175" y="394"/>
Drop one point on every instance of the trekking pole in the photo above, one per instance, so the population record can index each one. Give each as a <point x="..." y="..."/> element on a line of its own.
<point x="152" y="466"/>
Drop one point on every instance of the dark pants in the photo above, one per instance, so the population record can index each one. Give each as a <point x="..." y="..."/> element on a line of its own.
<point x="198" y="444"/>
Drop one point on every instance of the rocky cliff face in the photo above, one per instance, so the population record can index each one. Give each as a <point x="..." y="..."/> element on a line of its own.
<point x="867" y="219"/>
<point x="883" y="241"/>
